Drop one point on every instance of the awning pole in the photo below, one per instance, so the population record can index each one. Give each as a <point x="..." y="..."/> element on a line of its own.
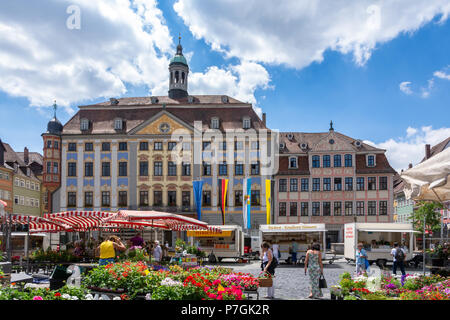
<point x="423" y="245"/>
<point x="28" y="245"/>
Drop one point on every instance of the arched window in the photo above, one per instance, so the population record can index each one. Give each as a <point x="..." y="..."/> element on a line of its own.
<point x="177" y="76"/>
<point x="182" y="77"/>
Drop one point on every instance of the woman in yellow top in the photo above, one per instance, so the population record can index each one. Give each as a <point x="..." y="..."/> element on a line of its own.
<point x="108" y="250"/>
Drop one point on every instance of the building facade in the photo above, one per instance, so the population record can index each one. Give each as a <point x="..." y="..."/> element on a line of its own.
<point x="333" y="179"/>
<point x="6" y="181"/>
<point x="26" y="187"/>
<point x="144" y="153"/>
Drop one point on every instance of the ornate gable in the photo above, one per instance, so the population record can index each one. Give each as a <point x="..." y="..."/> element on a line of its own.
<point x="332" y="142"/>
<point x="162" y="123"/>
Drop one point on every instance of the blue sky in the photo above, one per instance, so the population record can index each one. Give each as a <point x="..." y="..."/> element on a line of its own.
<point x="299" y="88"/>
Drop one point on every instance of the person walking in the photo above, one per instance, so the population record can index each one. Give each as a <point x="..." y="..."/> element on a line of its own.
<point x="268" y="265"/>
<point x="108" y="250"/>
<point x="314" y="267"/>
<point x="398" y="256"/>
<point x="276" y="252"/>
<point x="294" y="252"/>
<point x="157" y="251"/>
<point x="361" y="257"/>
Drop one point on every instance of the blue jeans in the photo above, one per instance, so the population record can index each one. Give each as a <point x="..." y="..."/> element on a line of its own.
<point x="399" y="264"/>
<point x="294" y="257"/>
<point x="104" y="262"/>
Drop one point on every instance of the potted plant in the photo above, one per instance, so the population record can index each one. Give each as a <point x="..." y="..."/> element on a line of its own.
<point x="438" y="255"/>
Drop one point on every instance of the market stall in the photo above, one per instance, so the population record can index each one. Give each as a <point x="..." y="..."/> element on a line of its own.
<point x="286" y="234"/>
<point x="228" y="243"/>
<point x="378" y="240"/>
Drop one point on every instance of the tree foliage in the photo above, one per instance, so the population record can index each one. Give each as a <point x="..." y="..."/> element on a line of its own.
<point x="429" y="211"/>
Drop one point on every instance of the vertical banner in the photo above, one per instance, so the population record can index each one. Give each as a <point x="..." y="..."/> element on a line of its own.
<point x="246" y="202"/>
<point x="223" y="184"/>
<point x="268" y="199"/>
<point x="198" y="188"/>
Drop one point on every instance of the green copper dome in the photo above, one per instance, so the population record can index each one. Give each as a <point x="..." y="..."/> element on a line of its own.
<point x="178" y="59"/>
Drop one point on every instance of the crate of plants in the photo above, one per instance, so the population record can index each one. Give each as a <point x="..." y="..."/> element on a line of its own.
<point x="265" y="280"/>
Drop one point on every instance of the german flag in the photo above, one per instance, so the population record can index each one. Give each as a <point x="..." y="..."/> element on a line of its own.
<point x="223" y="185"/>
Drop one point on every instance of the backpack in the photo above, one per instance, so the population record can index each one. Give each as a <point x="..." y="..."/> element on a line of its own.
<point x="399" y="255"/>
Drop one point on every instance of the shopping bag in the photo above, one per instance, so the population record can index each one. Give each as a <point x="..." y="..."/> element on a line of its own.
<point x="322" y="282"/>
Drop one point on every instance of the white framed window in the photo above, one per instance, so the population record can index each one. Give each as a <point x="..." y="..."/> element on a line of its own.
<point x="32" y="202"/>
<point x="118" y="122"/>
<point x="17" y="182"/>
<point x="22" y="200"/>
<point x="246" y="123"/>
<point x="84" y="124"/>
<point x="293" y="163"/>
<point x="37" y="186"/>
<point x="16" y="199"/>
<point x="32" y="186"/>
<point x="22" y="183"/>
<point x="36" y="203"/>
<point x="215" y="123"/>
<point x="371" y="160"/>
<point x="28" y="184"/>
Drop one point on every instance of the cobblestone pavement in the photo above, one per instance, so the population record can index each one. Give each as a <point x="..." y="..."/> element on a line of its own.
<point x="291" y="283"/>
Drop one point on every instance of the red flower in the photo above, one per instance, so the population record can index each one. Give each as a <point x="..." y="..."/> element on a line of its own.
<point x="57" y="294"/>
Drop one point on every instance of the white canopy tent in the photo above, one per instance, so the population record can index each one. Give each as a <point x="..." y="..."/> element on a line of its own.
<point x="429" y="180"/>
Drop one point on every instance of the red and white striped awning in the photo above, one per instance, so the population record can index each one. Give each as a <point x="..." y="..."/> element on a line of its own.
<point x="38" y="224"/>
<point x="165" y="220"/>
<point x="82" y="220"/>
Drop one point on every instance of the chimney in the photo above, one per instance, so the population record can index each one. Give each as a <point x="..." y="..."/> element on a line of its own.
<point x="264" y="118"/>
<point x="410" y="166"/>
<point x="427" y="151"/>
<point x="26" y="158"/>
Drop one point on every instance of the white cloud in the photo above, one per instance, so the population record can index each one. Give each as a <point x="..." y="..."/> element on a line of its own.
<point x="410" y="131"/>
<point x="442" y="74"/>
<point x="238" y="81"/>
<point x="411" y="149"/>
<point x="297" y="33"/>
<point x="405" y="87"/>
<point x="427" y="90"/>
<point x="120" y="43"/>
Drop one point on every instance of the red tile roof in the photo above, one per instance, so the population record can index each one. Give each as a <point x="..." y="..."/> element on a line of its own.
<point x="382" y="165"/>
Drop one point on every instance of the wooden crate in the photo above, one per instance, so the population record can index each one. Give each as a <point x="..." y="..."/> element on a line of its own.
<point x="265" y="283"/>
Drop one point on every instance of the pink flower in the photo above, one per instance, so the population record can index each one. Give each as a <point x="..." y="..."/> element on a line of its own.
<point x="37" y="298"/>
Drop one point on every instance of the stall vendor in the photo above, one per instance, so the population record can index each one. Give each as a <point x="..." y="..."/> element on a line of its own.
<point x="108" y="250"/>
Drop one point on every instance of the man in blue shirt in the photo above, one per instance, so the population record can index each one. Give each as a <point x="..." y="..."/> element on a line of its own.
<point x="361" y="256"/>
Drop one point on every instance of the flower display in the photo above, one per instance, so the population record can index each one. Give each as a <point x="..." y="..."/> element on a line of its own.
<point x="409" y="287"/>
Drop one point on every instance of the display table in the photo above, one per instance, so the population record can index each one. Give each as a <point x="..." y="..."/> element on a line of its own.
<point x="188" y="260"/>
<point x="21" y="278"/>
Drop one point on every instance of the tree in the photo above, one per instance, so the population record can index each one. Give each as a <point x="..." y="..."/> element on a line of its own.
<point x="429" y="211"/>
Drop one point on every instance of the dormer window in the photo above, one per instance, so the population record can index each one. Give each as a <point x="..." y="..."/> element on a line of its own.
<point x="370" y="160"/>
<point x="215" y="123"/>
<point x="246" y="123"/>
<point x="84" y="124"/>
<point x="293" y="163"/>
<point x="118" y="124"/>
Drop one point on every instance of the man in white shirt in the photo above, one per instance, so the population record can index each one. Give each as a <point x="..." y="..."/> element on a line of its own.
<point x="399" y="257"/>
<point x="157" y="251"/>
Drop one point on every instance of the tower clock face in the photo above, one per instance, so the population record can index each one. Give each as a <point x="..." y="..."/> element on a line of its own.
<point x="164" y="127"/>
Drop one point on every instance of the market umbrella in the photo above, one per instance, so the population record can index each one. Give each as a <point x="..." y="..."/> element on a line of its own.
<point x="38" y="224"/>
<point x="82" y="220"/>
<point x="429" y="180"/>
<point x="166" y="220"/>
